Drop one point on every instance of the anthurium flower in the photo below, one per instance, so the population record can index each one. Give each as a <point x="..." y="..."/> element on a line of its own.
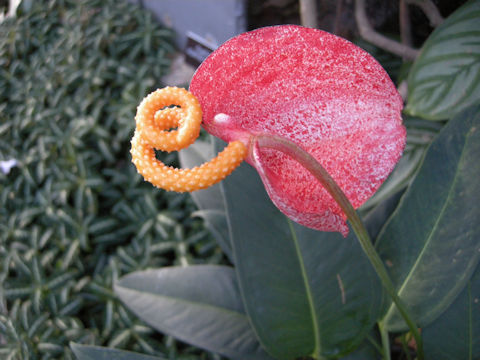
<point x="289" y="100"/>
<point x="317" y="90"/>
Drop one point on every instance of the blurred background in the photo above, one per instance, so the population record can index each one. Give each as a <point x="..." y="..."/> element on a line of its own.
<point x="74" y="214"/>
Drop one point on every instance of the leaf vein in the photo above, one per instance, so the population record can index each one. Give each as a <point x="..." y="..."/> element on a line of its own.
<point x="432" y="232"/>
<point x="316" y="329"/>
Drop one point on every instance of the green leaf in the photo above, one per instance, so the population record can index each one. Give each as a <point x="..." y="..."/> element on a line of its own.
<point x="430" y="244"/>
<point x="456" y="333"/>
<point x="445" y="78"/>
<point x="87" y="352"/>
<point x="369" y="350"/>
<point x="420" y="134"/>
<point x="200" y="305"/>
<point x="375" y="219"/>
<point x="307" y="293"/>
<point x="210" y="201"/>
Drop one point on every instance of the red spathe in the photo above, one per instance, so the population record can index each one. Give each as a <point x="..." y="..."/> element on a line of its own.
<point x="318" y="90"/>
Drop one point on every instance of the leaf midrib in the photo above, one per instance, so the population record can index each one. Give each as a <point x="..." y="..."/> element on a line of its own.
<point x="316" y="330"/>
<point x="433" y="231"/>
<point x="470" y="325"/>
<point x="435" y="60"/>
<point x="449" y="86"/>
<point x="231" y="313"/>
<point x="190" y="302"/>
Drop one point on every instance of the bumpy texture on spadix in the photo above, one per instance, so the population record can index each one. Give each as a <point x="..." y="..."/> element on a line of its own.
<point x="154" y="119"/>
<point x="321" y="92"/>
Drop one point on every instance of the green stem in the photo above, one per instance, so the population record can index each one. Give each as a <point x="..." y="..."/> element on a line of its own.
<point x="318" y="171"/>
<point x="385" y="342"/>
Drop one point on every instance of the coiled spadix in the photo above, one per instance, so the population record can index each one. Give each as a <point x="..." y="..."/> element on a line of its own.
<point x="154" y="120"/>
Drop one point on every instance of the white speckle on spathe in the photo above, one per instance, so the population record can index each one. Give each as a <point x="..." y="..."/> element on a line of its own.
<point x="221" y="118"/>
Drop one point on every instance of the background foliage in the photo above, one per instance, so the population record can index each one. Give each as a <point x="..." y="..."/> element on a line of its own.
<point x="74" y="214"/>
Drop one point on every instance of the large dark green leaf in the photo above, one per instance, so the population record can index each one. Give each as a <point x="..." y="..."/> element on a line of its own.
<point x="86" y="352"/>
<point x="200" y="305"/>
<point x="209" y="201"/>
<point x="376" y="218"/>
<point x="445" y="78"/>
<point x="307" y="293"/>
<point x="366" y="351"/>
<point x="431" y="244"/>
<point x="455" y="335"/>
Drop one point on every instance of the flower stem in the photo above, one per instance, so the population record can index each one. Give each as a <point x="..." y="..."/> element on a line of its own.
<point x="318" y="171"/>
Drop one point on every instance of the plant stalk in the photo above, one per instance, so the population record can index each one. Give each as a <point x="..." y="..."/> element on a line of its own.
<point x="318" y="171"/>
<point x="385" y="342"/>
<point x="308" y="13"/>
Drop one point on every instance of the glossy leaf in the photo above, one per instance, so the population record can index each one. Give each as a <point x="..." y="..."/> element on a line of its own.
<point x="307" y="293"/>
<point x="209" y="201"/>
<point x="445" y="78"/>
<point x="200" y="305"/>
<point x="455" y="335"/>
<point x="430" y="244"/>
<point x="87" y="352"/>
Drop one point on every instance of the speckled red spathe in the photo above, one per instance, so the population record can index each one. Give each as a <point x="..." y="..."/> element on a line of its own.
<point x="318" y="90"/>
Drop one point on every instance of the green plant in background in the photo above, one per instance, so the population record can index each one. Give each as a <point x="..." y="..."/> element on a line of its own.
<point x="428" y="241"/>
<point x="74" y="215"/>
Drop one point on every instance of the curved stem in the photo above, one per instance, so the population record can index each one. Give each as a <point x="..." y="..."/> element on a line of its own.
<point x="430" y="10"/>
<point x="318" y="171"/>
<point x="308" y="13"/>
<point x="368" y="33"/>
